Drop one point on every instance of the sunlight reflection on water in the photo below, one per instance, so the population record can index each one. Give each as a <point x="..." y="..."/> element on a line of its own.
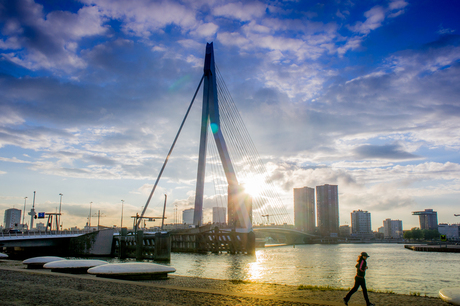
<point x="391" y="267"/>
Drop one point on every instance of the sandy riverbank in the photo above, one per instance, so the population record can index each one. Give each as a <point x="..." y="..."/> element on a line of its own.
<point x="20" y="286"/>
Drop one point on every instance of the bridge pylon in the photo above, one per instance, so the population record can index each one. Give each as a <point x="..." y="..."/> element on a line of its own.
<point x="239" y="207"/>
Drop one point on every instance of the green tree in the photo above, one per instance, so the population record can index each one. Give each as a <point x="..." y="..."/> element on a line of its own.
<point x="417" y="233"/>
<point x="430" y="234"/>
<point x="408" y="235"/>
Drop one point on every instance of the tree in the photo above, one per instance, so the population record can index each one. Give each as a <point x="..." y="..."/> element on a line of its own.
<point x="430" y="234"/>
<point x="417" y="233"/>
<point x="408" y="235"/>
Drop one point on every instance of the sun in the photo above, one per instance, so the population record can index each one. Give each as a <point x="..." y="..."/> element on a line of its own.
<point x="253" y="186"/>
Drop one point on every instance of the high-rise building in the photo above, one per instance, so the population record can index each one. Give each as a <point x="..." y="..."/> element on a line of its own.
<point x="219" y="215"/>
<point x="392" y="229"/>
<point x="428" y="219"/>
<point x="304" y="209"/>
<point x="361" y="222"/>
<point x="327" y="209"/>
<point x="12" y="218"/>
<point x="187" y="216"/>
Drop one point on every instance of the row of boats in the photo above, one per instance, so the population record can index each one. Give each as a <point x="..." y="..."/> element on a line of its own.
<point x="100" y="268"/>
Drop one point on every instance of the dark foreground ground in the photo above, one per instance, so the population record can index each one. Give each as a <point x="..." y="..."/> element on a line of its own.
<point x="20" y="286"/>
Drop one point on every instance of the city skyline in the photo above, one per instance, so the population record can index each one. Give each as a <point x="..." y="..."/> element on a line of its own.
<point x="362" y="95"/>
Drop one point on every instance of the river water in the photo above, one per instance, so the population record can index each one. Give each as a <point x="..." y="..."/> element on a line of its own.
<point x="391" y="267"/>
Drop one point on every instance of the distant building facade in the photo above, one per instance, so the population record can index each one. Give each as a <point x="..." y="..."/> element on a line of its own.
<point x="12" y="218"/>
<point x="304" y="209"/>
<point x="327" y="208"/>
<point x="344" y="230"/>
<point x="361" y="223"/>
<point x="187" y="216"/>
<point x="452" y="231"/>
<point x="219" y="215"/>
<point x="40" y="226"/>
<point x="428" y="219"/>
<point x="392" y="229"/>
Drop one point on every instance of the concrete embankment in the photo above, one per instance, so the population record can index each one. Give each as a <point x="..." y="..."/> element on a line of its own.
<point x="20" y="286"/>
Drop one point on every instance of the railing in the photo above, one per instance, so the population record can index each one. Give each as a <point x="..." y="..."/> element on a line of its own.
<point x="32" y="234"/>
<point x="215" y="241"/>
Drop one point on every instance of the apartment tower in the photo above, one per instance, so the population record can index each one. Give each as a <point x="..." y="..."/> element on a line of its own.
<point x="361" y="222"/>
<point x="304" y="209"/>
<point x="327" y="209"/>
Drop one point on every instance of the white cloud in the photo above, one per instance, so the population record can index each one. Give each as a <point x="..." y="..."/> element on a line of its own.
<point x="206" y="29"/>
<point x="374" y="18"/>
<point x="9" y="117"/>
<point x="233" y="39"/>
<point x="52" y="39"/>
<point x="443" y="31"/>
<point x="351" y="44"/>
<point x="142" y="18"/>
<point x="10" y="43"/>
<point x="397" y="4"/>
<point x="298" y="82"/>
<point x="241" y="11"/>
<point x="87" y="22"/>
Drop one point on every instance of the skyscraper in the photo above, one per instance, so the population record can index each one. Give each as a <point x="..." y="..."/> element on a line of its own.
<point x="304" y="209"/>
<point x="428" y="219"/>
<point x="361" y="222"/>
<point x="327" y="208"/>
<point x="392" y="228"/>
<point x="12" y="218"/>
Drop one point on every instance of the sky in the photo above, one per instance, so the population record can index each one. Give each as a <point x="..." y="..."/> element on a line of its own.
<point x="359" y="94"/>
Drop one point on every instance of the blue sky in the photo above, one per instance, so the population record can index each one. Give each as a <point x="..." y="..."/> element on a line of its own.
<point x="362" y="94"/>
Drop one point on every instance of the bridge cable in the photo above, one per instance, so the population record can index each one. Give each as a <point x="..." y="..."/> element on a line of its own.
<point x="169" y="154"/>
<point x="242" y="148"/>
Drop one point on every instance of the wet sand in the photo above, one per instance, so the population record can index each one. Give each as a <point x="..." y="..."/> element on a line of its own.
<point x="21" y="286"/>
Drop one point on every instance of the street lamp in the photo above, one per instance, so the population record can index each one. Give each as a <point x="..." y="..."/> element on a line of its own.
<point x="60" y="204"/>
<point x="24" y="213"/>
<point x="122" y="202"/>
<point x="90" y="204"/>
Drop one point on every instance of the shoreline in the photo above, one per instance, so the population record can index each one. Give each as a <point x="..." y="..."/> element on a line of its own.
<point x="21" y="286"/>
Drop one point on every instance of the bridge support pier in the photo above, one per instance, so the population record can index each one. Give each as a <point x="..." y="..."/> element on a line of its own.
<point x="162" y="247"/>
<point x="139" y="245"/>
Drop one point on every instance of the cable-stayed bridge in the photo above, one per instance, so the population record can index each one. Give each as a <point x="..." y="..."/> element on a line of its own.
<point x="240" y="181"/>
<point x="239" y="176"/>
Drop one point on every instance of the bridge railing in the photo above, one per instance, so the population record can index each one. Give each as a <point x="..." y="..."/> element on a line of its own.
<point x="31" y="234"/>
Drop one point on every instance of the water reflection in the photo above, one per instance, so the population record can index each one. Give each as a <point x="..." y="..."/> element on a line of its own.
<point x="391" y="267"/>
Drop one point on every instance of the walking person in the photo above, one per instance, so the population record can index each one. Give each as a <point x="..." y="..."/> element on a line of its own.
<point x="361" y="268"/>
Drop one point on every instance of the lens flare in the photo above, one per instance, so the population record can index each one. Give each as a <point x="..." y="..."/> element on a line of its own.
<point x="214" y="128"/>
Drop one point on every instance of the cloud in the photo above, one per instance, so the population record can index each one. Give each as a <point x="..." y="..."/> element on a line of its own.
<point x="47" y="41"/>
<point x="9" y="116"/>
<point x="206" y="29"/>
<point x="396" y="8"/>
<point x="240" y="11"/>
<point x="99" y="93"/>
<point x="298" y="82"/>
<point x="374" y="18"/>
<point x="143" y="18"/>
<point x="443" y="31"/>
<point x="394" y="151"/>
